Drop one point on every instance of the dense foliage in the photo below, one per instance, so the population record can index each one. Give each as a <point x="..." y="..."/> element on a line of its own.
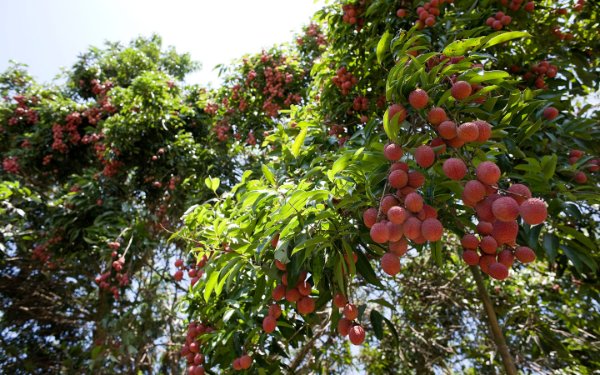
<point x="286" y="176"/>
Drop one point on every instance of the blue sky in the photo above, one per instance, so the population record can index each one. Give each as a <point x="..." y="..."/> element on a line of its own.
<point x="49" y="34"/>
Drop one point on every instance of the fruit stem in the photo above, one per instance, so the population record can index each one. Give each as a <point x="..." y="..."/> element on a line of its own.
<point x="496" y="331"/>
<point x="382" y="195"/>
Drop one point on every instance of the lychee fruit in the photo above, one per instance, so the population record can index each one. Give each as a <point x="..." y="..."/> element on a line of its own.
<point x="344" y="326"/>
<point x="484" y="228"/>
<point x="269" y="324"/>
<point x="398" y="179"/>
<point x="412" y="228"/>
<point x="524" y="254"/>
<point x="392" y="152"/>
<point x="396" y="231"/>
<point x="468" y="132"/>
<point x="488" y="172"/>
<point x="397" y="109"/>
<point x="413" y="202"/>
<point x="533" y="211"/>
<point x="418" y="99"/>
<point x="339" y="300"/>
<point x="485" y="130"/>
<point x="505" y="209"/>
<point x="350" y="311"/>
<point x="415" y="179"/>
<point x="505" y="232"/>
<point x="436" y="116"/>
<point x="469" y="241"/>
<point x="550" y="113"/>
<point x="390" y="264"/>
<point x="356" y="335"/>
<point x="399" y="248"/>
<point x="471" y="257"/>
<point x="454" y="169"/>
<point x="461" y="90"/>
<point x="432" y="229"/>
<point x="447" y="130"/>
<point x="488" y="245"/>
<point x="424" y="156"/>
<point x="519" y="192"/>
<point x="306" y="305"/>
<point x="498" y="271"/>
<point x="474" y="191"/>
<point x="506" y="257"/>
<point x="388" y="202"/>
<point x="370" y="217"/>
<point x="397" y="215"/>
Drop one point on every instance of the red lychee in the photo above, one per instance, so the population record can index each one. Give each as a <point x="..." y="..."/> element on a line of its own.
<point x="488" y="172"/>
<point x="390" y="264"/>
<point x="454" y="169"/>
<point x="533" y="211"/>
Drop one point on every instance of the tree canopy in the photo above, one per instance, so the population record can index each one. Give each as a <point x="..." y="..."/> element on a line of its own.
<point x="407" y="187"/>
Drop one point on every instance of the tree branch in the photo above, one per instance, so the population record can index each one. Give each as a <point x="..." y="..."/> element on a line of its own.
<point x="497" y="335"/>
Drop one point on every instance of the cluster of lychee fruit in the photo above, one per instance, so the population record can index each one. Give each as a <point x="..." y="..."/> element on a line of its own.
<point x="23" y="113"/>
<point x="427" y="13"/>
<point x="194" y="271"/>
<point x="404" y="215"/>
<point x="352" y="14"/>
<point x="498" y="21"/>
<point x="121" y="279"/>
<point x="344" y="80"/>
<point x="538" y="73"/>
<point x="191" y="350"/>
<point x="515" y="5"/>
<point x="592" y="166"/>
<point x="346" y="324"/>
<point x="556" y="30"/>
<point x="360" y="103"/>
<point x="497" y="215"/>
<point x="298" y="294"/>
<point x="242" y="363"/>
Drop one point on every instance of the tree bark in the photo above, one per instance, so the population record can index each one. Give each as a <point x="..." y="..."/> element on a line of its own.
<point x="497" y="335"/>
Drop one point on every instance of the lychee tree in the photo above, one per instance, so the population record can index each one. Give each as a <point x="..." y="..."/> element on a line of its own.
<point x="95" y="174"/>
<point x="423" y="149"/>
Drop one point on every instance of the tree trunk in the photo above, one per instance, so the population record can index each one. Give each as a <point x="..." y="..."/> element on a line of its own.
<point x="497" y="335"/>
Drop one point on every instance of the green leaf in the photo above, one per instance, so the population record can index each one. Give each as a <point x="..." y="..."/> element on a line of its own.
<point x="365" y="270"/>
<point x="392" y="328"/>
<point x="383" y="302"/>
<point x="484" y="76"/>
<point x="268" y="173"/>
<point x="572" y="255"/>
<point x="339" y="165"/>
<point x="460" y="47"/>
<point x="549" y="165"/>
<point x="551" y="246"/>
<point x="212" y="183"/>
<point x="383" y="45"/>
<point x="377" y="322"/>
<point x="502" y="37"/>
<point x="210" y="284"/>
<point x="299" y="141"/>
<point x="337" y="274"/>
<point x="391" y="126"/>
<point x="578" y="236"/>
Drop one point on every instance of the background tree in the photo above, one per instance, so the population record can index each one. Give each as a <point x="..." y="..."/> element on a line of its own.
<point x="95" y="175"/>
